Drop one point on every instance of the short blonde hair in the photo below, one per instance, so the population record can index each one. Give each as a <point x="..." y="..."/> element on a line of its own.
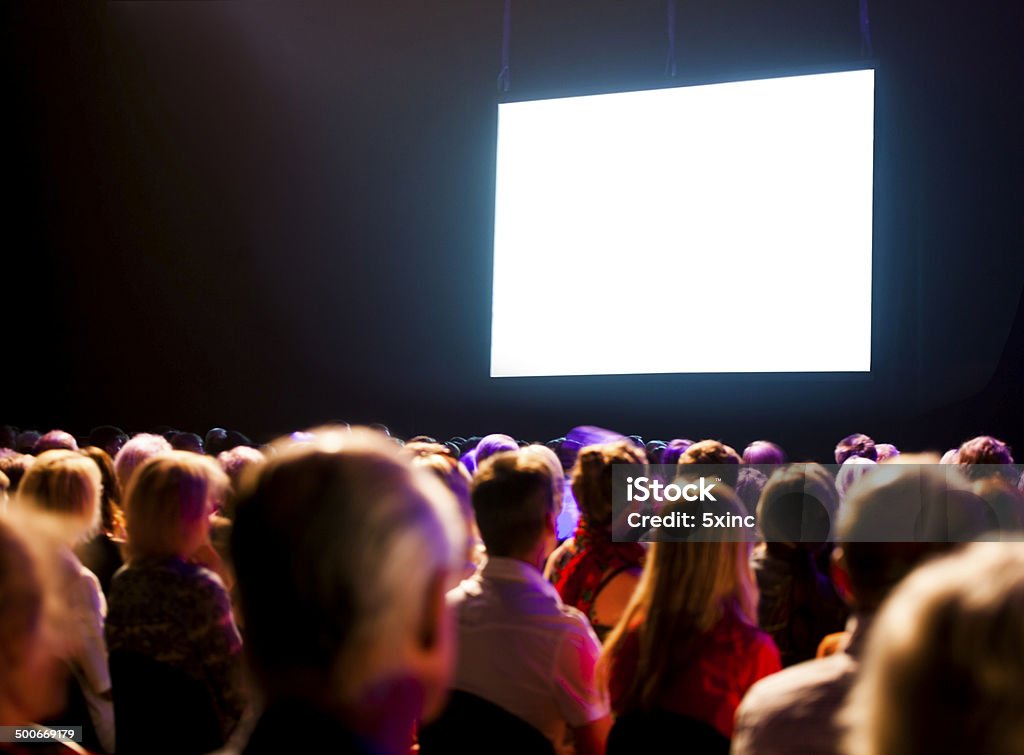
<point x="944" y="670"/>
<point x="167" y="507"/>
<point x="66" y="485"/>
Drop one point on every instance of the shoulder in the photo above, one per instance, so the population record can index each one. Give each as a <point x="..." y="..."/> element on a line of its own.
<point x="805" y="683"/>
<point x="797" y="704"/>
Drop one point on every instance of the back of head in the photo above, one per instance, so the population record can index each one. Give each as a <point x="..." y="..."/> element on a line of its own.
<point x="216" y="441"/>
<point x="141" y="447"/>
<point x="857" y="444"/>
<point x="898" y="516"/>
<point x="234" y="463"/>
<point x="109" y="438"/>
<point x="886" y="452"/>
<point x="985" y="456"/>
<point x="492" y="444"/>
<point x="675" y="448"/>
<point x="763" y="452"/>
<point x="26" y="442"/>
<point x="168" y="504"/>
<point x="944" y="671"/>
<point x="65" y="485"/>
<point x="514" y="502"/>
<point x="183" y="441"/>
<point x="798" y="506"/>
<point x="15" y="465"/>
<point x="339" y="546"/>
<point x="592" y="478"/>
<point x="714" y="452"/>
<point x="55" y="440"/>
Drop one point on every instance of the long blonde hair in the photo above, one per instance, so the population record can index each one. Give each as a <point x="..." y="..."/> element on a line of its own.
<point x="686" y="588"/>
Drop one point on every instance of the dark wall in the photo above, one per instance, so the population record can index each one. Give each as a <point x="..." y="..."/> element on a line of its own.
<point x="266" y="215"/>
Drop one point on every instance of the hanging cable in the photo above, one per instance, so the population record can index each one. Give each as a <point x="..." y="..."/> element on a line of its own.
<point x="505" y="74"/>
<point x="865" y="31"/>
<point x="670" y="60"/>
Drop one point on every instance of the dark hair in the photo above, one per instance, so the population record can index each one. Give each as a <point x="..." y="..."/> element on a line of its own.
<point x="512" y="500"/>
<point x="675" y="448"/>
<point x="183" y="441"/>
<point x="947" y="507"/>
<point x="857" y="444"/>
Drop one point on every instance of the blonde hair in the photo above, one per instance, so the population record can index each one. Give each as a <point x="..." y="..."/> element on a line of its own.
<point x="67" y="486"/>
<point x="686" y="588"/>
<point x="167" y="507"/>
<point x="943" y="671"/>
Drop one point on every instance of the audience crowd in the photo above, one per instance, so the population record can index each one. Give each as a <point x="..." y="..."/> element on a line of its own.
<point x="342" y="590"/>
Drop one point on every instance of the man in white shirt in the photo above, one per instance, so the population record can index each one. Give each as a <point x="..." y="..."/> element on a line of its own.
<point x="519" y="646"/>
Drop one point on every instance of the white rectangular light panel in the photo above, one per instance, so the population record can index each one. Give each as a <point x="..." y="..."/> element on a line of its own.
<point x="716" y="228"/>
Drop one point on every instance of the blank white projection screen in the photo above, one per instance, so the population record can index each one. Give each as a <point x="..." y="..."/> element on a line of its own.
<point x="718" y="228"/>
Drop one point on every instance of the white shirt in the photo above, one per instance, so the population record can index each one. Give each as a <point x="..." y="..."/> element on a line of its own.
<point x="524" y="650"/>
<point x="88" y="610"/>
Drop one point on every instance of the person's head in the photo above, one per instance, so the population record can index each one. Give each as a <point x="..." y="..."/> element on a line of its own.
<point x="137" y="450"/>
<point x="111" y="439"/>
<point x="763" y="452"/>
<point x="55" y="440"/>
<point x="8" y="437"/>
<point x="592" y="478"/>
<point x="675" y="448"/>
<point x="686" y="588"/>
<point x="439" y="461"/>
<point x="111" y="516"/>
<point x="653" y="449"/>
<point x="984" y="456"/>
<point x="852" y="470"/>
<point x="886" y="452"/>
<point x="713" y="452"/>
<point x="26" y="442"/>
<point x="492" y="444"/>
<point x="216" y="441"/>
<point x="31" y="679"/>
<point x="343" y="553"/>
<point x="234" y="463"/>
<point x="14" y="465"/>
<point x="169" y="502"/>
<point x="550" y="458"/>
<point x="183" y="441"/>
<point x="515" y="506"/>
<point x="943" y="671"/>
<point x="896" y="518"/>
<point x="797" y="508"/>
<point x="66" y="486"/>
<point x="857" y="444"/>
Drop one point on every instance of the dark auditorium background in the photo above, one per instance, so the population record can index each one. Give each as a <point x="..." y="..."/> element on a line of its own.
<point x="267" y="215"/>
